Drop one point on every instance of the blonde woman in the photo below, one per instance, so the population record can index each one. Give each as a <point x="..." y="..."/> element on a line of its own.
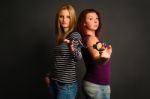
<point x="67" y="53"/>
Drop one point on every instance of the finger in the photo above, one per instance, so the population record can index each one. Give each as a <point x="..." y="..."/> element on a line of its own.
<point x="109" y="47"/>
<point x="66" y="41"/>
<point x="72" y="42"/>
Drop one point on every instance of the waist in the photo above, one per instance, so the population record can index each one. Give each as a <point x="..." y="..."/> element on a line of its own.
<point x="62" y="83"/>
<point x="98" y="78"/>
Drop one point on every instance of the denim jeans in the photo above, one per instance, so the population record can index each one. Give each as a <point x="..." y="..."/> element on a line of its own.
<point x="63" y="91"/>
<point x="95" y="91"/>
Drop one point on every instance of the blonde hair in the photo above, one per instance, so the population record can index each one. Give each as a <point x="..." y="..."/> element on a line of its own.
<point x="60" y="34"/>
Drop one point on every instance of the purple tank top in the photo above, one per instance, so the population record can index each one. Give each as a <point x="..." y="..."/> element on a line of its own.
<point x="98" y="73"/>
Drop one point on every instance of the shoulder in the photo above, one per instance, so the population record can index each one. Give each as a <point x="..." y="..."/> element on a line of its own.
<point x="91" y="40"/>
<point x="75" y="35"/>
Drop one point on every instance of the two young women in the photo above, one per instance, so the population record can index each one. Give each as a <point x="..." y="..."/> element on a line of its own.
<point x="96" y="55"/>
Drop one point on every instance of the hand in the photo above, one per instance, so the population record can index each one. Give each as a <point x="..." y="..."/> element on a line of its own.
<point x="47" y="81"/>
<point x="66" y="41"/>
<point x="70" y="44"/>
<point x="106" y="53"/>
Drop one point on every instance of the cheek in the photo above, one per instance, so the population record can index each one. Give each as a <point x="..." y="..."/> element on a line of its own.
<point x="68" y="21"/>
<point x="87" y="25"/>
<point x="60" y="20"/>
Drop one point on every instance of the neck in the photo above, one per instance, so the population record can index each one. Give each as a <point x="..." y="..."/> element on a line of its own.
<point x="66" y="29"/>
<point x="90" y="33"/>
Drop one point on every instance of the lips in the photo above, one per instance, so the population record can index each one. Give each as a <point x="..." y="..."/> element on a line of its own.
<point x="95" y="26"/>
<point x="63" y="23"/>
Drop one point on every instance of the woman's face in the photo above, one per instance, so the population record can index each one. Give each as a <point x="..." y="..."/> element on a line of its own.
<point x="91" y="21"/>
<point x="64" y="19"/>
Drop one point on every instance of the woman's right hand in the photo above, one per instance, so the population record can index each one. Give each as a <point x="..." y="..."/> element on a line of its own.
<point x="106" y="53"/>
<point x="47" y="81"/>
<point x="70" y="44"/>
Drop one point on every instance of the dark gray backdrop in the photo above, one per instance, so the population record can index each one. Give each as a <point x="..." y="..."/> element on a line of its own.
<point x="27" y="32"/>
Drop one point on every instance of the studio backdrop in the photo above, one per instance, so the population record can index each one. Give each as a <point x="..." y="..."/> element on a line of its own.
<point x="27" y="38"/>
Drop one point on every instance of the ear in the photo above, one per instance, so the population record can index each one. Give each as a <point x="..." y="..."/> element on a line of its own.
<point x="84" y="24"/>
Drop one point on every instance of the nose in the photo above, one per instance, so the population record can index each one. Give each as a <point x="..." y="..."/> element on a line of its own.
<point x="64" y="18"/>
<point x="95" y="20"/>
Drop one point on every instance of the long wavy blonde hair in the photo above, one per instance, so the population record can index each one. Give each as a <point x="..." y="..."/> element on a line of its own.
<point x="60" y="34"/>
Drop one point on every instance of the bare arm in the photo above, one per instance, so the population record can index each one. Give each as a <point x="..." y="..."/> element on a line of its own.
<point x="99" y="51"/>
<point x="93" y="51"/>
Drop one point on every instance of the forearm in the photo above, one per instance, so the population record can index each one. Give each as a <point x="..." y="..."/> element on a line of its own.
<point x="77" y="54"/>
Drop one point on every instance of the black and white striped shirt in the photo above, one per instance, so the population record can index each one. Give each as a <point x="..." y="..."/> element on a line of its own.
<point x="65" y="61"/>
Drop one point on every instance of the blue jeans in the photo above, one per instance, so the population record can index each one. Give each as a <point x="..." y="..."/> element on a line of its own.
<point x="95" y="91"/>
<point x="63" y="91"/>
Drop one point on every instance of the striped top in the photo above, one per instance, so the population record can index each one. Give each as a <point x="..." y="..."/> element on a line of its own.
<point x="65" y="61"/>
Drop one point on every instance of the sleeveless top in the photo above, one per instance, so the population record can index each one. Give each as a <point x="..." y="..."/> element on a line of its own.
<point x="96" y="72"/>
